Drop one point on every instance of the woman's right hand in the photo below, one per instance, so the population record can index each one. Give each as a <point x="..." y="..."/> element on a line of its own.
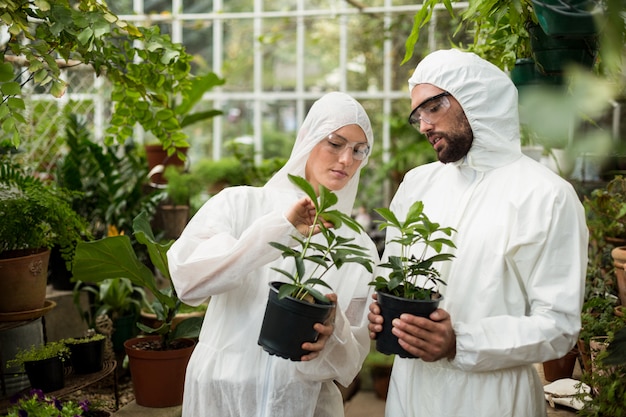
<point x="302" y="216"/>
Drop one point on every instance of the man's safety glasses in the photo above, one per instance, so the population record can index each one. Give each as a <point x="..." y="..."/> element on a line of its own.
<point x="430" y="111"/>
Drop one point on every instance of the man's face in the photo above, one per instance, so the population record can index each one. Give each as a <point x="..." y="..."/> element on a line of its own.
<point x="441" y="118"/>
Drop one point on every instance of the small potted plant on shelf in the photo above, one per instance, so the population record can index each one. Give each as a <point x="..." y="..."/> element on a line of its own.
<point x="166" y="349"/>
<point x="412" y="285"/>
<point x="44" y="365"/>
<point x="86" y="352"/>
<point x="293" y="307"/>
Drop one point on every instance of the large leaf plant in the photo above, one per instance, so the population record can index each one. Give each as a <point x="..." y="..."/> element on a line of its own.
<point x="114" y="257"/>
<point x="319" y="257"/>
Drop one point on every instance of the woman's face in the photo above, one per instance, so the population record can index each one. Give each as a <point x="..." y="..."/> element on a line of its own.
<point x="334" y="160"/>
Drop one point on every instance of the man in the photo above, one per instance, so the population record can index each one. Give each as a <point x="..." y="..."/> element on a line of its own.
<point x="515" y="287"/>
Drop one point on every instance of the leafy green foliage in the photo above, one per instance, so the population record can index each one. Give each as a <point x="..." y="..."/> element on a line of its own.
<point x="416" y="230"/>
<point x="116" y="297"/>
<point x="109" y="180"/>
<point x="152" y="84"/>
<point x="41" y="352"/>
<point x="335" y="251"/>
<point x="36" y="215"/>
<point x="606" y="209"/>
<point x="37" y="404"/>
<point x="114" y="257"/>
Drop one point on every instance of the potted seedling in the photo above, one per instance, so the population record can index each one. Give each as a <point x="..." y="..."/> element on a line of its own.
<point x="44" y="365"/>
<point x="165" y="351"/>
<point x="293" y="307"/>
<point x="412" y="284"/>
<point x="86" y="352"/>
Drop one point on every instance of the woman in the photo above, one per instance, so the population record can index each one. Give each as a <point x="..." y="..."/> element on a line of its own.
<point x="224" y="254"/>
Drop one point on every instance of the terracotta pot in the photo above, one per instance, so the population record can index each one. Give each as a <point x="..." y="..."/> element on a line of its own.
<point x="619" y="261"/>
<point x="23" y="282"/>
<point x="391" y="307"/>
<point x="381" y="375"/>
<point x="560" y="368"/>
<point x="174" y="218"/>
<point x="158" y="375"/>
<point x="158" y="159"/>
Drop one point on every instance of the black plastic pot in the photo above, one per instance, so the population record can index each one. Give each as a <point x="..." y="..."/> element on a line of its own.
<point x="47" y="374"/>
<point x="87" y="357"/>
<point x="392" y="307"/>
<point x="288" y="323"/>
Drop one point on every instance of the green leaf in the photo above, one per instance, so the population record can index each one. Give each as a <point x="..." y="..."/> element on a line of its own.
<point x="306" y="187"/>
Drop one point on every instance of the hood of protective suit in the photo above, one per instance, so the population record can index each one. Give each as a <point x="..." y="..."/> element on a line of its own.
<point x="488" y="98"/>
<point x="329" y="113"/>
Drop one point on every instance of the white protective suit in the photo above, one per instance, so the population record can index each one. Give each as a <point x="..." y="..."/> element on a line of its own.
<point x="515" y="288"/>
<point x="224" y="254"/>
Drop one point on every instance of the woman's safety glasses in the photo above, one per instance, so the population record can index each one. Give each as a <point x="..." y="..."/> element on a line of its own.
<point x="430" y="111"/>
<point x="337" y="144"/>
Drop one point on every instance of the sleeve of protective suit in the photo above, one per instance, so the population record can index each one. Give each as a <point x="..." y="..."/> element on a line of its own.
<point x="345" y="351"/>
<point x="549" y="265"/>
<point x="207" y="258"/>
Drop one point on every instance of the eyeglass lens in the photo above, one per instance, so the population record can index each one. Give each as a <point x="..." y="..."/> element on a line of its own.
<point x="337" y="144"/>
<point x="431" y="110"/>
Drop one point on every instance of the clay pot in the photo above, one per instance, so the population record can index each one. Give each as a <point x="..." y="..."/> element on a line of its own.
<point x="619" y="261"/>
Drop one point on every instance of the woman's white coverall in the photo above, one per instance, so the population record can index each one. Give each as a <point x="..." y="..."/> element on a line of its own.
<point x="224" y="254"/>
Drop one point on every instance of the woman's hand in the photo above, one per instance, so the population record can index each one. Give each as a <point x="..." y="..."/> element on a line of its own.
<point x="325" y="330"/>
<point x="302" y="216"/>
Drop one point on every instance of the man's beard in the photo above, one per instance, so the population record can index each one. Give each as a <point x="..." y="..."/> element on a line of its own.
<point x="458" y="142"/>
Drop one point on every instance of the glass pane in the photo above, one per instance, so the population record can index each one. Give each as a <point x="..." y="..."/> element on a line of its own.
<point x="279" y="54"/>
<point x="120" y="7"/>
<point x="233" y="6"/>
<point x="157" y="6"/>
<point x="321" y="56"/>
<point x="197" y="6"/>
<point x="198" y="41"/>
<point x="238" y="55"/>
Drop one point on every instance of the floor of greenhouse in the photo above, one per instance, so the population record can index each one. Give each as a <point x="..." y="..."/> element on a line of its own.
<point x="363" y="404"/>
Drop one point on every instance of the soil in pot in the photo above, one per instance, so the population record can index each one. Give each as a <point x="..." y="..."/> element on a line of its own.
<point x="392" y="307"/>
<point x="288" y="323"/>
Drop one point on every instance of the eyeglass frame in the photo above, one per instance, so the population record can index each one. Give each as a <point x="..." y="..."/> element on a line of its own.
<point x="347" y="144"/>
<point x="416" y="123"/>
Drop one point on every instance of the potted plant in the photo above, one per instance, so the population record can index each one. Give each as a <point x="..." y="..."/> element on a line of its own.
<point x="36" y="403"/>
<point x="35" y="217"/>
<point x="86" y="352"/>
<point x="164" y="353"/>
<point x="175" y="210"/>
<point x="116" y="298"/>
<point x="412" y="285"/>
<point x="293" y="307"/>
<point x="44" y="365"/>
